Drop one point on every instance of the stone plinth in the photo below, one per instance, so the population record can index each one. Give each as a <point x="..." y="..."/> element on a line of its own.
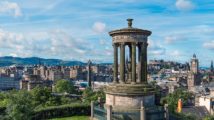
<point x="122" y="96"/>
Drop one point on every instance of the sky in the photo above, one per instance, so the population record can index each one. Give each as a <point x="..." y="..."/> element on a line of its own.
<point x="78" y="29"/>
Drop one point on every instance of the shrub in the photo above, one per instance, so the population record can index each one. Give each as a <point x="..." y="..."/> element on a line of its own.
<point x="2" y="110"/>
<point x="20" y="106"/>
<point x="62" y="111"/>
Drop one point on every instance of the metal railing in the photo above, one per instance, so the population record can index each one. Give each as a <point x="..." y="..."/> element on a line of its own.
<point x="144" y="113"/>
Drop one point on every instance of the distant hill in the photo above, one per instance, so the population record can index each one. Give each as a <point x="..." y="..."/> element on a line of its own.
<point x="8" y="60"/>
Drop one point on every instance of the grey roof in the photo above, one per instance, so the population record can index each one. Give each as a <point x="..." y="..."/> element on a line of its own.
<point x="198" y="111"/>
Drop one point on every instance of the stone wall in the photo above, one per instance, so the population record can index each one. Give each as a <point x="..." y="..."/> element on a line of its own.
<point x="129" y="101"/>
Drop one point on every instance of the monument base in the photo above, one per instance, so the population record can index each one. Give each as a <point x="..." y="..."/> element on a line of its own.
<point x="126" y="99"/>
<point x="121" y="96"/>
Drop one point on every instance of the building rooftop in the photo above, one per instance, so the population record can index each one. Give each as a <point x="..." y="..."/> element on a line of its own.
<point x="198" y="111"/>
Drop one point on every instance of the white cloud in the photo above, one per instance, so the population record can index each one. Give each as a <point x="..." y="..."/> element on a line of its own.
<point x="54" y="44"/>
<point x="104" y="42"/>
<point x="13" y="55"/>
<point x="173" y="38"/>
<point x="99" y="27"/>
<point x="175" y="53"/>
<point x="184" y="5"/>
<point x="209" y="45"/>
<point x="155" y="49"/>
<point x="11" y="8"/>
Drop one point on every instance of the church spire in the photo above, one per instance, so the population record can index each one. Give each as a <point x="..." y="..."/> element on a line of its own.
<point x="194" y="55"/>
<point x="211" y="67"/>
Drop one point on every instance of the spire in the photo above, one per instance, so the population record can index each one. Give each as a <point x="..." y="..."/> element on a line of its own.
<point x="194" y="56"/>
<point x="211" y="67"/>
<point x="89" y="73"/>
<point x="89" y="62"/>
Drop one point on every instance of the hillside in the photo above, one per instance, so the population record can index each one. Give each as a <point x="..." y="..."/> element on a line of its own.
<point x="8" y="60"/>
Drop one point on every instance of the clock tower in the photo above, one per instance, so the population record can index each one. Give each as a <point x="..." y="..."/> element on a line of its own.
<point x="193" y="75"/>
<point x="194" y="64"/>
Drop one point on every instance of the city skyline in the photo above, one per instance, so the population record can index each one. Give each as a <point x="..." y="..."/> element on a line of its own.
<point x="78" y="30"/>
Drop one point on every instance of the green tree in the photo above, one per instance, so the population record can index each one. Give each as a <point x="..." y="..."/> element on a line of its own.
<point x="3" y="99"/>
<point x="90" y="95"/>
<point x="210" y="117"/>
<point x="20" y="106"/>
<point x="41" y="96"/>
<point x="172" y="99"/>
<point x="64" y="86"/>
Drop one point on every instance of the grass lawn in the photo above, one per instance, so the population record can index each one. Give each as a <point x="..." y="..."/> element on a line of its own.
<point x="73" y="118"/>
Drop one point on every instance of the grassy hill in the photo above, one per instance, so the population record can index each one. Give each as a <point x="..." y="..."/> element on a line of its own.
<point x="8" y="60"/>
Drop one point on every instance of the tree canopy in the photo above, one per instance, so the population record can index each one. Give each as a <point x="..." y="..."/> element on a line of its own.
<point x="20" y="106"/>
<point x="64" y="86"/>
<point x="172" y="98"/>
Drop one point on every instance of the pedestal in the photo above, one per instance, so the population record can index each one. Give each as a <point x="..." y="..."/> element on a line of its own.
<point x="127" y="98"/>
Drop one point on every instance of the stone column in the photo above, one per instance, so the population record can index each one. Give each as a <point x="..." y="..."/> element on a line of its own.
<point x="92" y="110"/>
<point x="144" y="62"/>
<point x="109" y="112"/>
<point x="140" y="62"/>
<point x="130" y="65"/>
<point x="142" y="113"/>
<point x="115" y="63"/>
<point x="166" y="115"/>
<point x="122" y="63"/>
<point x="133" y="63"/>
<point x="89" y="74"/>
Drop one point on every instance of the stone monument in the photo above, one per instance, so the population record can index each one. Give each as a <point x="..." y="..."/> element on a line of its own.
<point x="130" y="92"/>
<point x="89" y="73"/>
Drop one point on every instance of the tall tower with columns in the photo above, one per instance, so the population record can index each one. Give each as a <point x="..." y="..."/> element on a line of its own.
<point x="211" y="67"/>
<point x="130" y="92"/>
<point x="136" y="40"/>
<point x="89" y="73"/>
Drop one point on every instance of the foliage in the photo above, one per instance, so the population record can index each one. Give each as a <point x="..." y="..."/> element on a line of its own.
<point x="64" y="86"/>
<point x="90" y="95"/>
<point x="3" y="99"/>
<point x="172" y="99"/>
<point x="40" y="96"/>
<point x="73" y="118"/>
<point x="5" y="96"/>
<point x="62" y="111"/>
<point x="23" y="105"/>
<point x="182" y="116"/>
<point x="20" y="106"/>
<point x="211" y="117"/>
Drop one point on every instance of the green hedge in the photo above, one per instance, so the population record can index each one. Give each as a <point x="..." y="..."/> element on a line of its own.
<point x="2" y="110"/>
<point x="62" y="111"/>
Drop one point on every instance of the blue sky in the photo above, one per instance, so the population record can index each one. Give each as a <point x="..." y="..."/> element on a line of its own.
<point x="78" y="29"/>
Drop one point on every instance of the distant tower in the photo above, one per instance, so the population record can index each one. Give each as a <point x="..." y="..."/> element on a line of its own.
<point x="193" y="76"/>
<point x="194" y="64"/>
<point x="191" y="80"/>
<point x="211" y="67"/>
<point x="89" y="73"/>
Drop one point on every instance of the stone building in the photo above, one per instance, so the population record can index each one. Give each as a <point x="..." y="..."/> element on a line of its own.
<point x="211" y="73"/>
<point x="31" y="81"/>
<point x="66" y="73"/>
<point x="194" y="77"/>
<point x="55" y="75"/>
<point x="78" y="73"/>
